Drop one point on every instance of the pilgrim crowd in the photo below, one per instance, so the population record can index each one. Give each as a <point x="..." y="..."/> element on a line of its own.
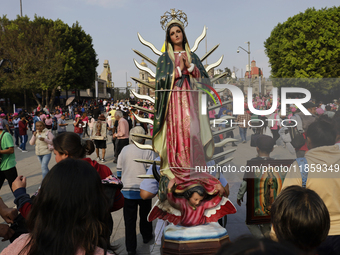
<point x="305" y="216"/>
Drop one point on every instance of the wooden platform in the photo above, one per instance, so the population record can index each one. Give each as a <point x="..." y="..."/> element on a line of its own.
<point x="204" y="247"/>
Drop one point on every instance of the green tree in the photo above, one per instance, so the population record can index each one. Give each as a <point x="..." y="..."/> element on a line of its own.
<point x="307" y="45"/>
<point x="47" y="55"/>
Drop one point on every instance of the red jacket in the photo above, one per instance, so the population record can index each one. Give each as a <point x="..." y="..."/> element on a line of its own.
<point x="22" y="128"/>
<point x="103" y="172"/>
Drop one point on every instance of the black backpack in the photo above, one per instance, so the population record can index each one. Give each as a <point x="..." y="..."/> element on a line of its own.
<point x="298" y="140"/>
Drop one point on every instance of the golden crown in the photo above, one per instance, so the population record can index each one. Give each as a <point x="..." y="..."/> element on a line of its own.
<point x="173" y="15"/>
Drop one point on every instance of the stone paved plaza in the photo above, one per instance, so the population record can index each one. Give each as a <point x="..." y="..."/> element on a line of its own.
<point x="29" y="166"/>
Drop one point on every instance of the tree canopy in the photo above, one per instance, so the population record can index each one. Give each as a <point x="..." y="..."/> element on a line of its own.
<point x="307" y="45"/>
<point x="46" y="55"/>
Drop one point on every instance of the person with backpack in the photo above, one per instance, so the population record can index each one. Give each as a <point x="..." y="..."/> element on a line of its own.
<point x="303" y="122"/>
<point x="264" y="146"/>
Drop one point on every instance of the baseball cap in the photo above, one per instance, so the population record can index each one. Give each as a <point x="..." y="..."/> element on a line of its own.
<point x="78" y="115"/>
<point x="15" y="114"/>
<point x="2" y="115"/>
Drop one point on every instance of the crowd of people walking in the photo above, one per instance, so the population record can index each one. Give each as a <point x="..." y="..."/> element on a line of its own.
<point x="305" y="214"/>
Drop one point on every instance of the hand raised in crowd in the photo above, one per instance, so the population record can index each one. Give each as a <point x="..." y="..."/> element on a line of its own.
<point x="8" y="214"/>
<point x="35" y="133"/>
<point x="6" y="232"/>
<point x="239" y="201"/>
<point x="19" y="182"/>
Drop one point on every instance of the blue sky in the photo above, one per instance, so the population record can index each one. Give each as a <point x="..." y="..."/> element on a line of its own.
<point x="113" y="25"/>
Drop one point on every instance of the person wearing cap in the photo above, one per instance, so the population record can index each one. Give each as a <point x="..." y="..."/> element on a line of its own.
<point x="85" y="120"/>
<point x="264" y="146"/>
<point x="15" y="122"/>
<point x="5" y="123"/>
<point x="7" y="166"/>
<point x="303" y="122"/>
<point x="78" y="126"/>
<point x="100" y="144"/>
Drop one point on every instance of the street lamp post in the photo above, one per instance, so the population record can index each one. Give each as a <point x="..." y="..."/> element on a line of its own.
<point x="248" y="51"/>
<point x="21" y="8"/>
<point x="25" y="101"/>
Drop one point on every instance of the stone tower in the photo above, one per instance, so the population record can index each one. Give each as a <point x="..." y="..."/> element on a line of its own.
<point x="107" y="74"/>
<point x="145" y="77"/>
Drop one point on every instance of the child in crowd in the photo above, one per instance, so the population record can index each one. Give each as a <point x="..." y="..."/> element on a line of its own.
<point x="264" y="146"/>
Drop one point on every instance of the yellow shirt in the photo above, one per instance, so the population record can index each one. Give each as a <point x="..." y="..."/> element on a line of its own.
<point x="113" y="111"/>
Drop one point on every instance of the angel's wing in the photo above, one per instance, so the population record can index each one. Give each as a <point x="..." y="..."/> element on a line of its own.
<point x="164" y="211"/>
<point x="223" y="208"/>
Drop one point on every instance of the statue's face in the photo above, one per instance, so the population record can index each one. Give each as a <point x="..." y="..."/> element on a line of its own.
<point x="176" y="36"/>
<point x="195" y="199"/>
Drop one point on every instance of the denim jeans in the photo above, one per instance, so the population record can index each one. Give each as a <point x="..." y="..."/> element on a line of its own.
<point x="17" y="136"/>
<point x="24" y="139"/>
<point x="44" y="159"/>
<point x="243" y="133"/>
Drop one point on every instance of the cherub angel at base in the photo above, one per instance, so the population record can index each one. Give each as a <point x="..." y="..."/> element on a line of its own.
<point x="193" y="207"/>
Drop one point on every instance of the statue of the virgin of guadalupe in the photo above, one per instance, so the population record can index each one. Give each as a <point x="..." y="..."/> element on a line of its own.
<point x="182" y="136"/>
